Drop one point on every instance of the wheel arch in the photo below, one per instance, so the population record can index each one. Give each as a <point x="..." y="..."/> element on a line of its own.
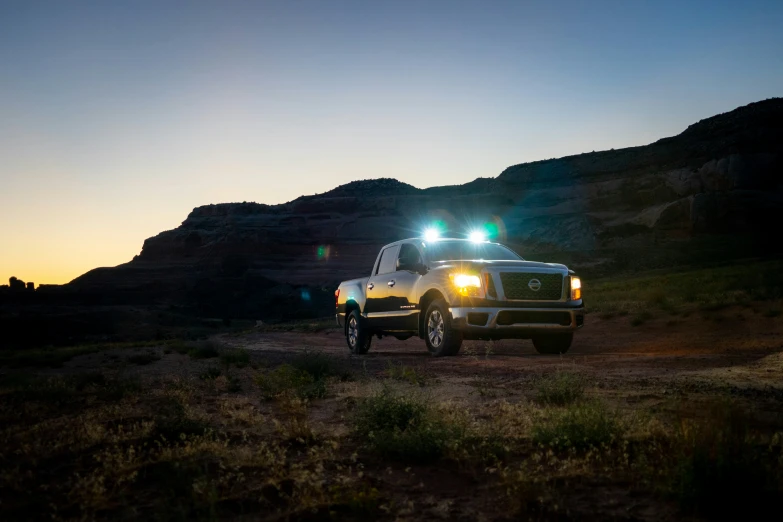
<point x="350" y="306"/>
<point x="429" y="296"/>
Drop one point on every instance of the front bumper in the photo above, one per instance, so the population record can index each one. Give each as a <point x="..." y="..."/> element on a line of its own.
<point x="521" y="323"/>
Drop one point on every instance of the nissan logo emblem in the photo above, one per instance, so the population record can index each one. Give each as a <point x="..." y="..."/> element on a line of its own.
<point x="534" y="285"/>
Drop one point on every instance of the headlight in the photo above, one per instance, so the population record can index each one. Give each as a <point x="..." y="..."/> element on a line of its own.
<point x="576" y="288"/>
<point x="466" y="284"/>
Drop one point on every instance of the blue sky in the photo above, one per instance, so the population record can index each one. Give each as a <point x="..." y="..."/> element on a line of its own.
<point x="117" y="118"/>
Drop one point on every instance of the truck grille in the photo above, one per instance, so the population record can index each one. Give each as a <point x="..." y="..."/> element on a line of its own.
<point x="517" y="285"/>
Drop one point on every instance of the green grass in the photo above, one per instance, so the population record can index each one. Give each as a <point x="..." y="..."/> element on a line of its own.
<point x="581" y="425"/>
<point x="560" y="388"/>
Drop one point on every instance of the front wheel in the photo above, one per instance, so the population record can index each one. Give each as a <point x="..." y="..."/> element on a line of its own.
<point x="553" y="343"/>
<point x="356" y="334"/>
<point x="439" y="335"/>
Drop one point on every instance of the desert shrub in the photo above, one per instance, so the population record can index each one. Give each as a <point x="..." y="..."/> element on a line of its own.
<point x="173" y="424"/>
<point x="210" y="373"/>
<point x="641" y="318"/>
<point x="317" y="364"/>
<point x="116" y="389"/>
<point x="233" y="385"/>
<point x="288" y="380"/>
<point x="179" y="346"/>
<point x="772" y="312"/>
<point x="582" y="425"/>
<point x="404" y="427"/>
<point x="45" y="357"/>
<point x="239" y="357"/>
<point x="144" y="358"/>
<point x="400" y="372"/>
<point x="204" y="350"/>
<point x="560" y="388"/>
<point x="716" y="461"/>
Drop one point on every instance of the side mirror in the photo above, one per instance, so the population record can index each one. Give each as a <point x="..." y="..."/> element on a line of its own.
<point x="419" y="268"/>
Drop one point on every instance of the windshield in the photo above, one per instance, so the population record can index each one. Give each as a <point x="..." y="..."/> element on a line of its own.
<point x="462" y="250"/>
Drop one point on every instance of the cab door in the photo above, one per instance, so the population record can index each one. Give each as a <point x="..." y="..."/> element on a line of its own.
<point x="402" y="299"/>
<point x="377" y="304"/>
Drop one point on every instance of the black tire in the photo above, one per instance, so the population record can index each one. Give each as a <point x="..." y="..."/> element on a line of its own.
<point x="554" y="343"/>
<point x="439" y="335"/>
<point x="356" y="334"/>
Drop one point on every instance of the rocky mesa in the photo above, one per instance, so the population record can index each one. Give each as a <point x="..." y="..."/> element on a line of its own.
<point x="713" y="191"/>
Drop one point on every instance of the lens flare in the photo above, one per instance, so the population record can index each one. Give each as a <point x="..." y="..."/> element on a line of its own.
<point x="431" y="234"/>
<point x="478" y="236"/>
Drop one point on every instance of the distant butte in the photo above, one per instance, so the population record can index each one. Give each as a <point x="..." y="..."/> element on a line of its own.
<point x="707" y="193"/>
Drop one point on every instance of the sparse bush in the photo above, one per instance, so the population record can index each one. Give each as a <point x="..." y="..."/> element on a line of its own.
<point x="210" y="373"/>
<point x="772" y="312"/>
<point x="581" y="425"/>
<point x="641" y="318"/>
<point x="204" y="350"/>
<point x="400" y="372"/>
<point x="717" y="460"/>
<point x="239" y="357"/>
<point x="560" y="388"/>
<point x="144" y="358"/>
<point x="286" y="379"/>
<point x="317" y="364"/>
<point x="173" y="424"/>
<point x="403" y="427"/>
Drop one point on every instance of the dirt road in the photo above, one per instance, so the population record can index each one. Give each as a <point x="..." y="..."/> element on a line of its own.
<point x="738" y="347"/>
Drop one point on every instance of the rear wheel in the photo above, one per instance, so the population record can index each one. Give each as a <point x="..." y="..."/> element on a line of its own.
<point x="439" y="335"/>
<point x="554" y="343"/>
<point x="356" y="334"/>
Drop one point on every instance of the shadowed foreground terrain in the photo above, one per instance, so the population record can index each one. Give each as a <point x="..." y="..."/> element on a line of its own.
<point x="668" y="407"/>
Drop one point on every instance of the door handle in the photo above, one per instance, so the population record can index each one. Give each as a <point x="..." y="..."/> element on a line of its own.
<point x="370" y="286"/>
<point x="391" y="283"/>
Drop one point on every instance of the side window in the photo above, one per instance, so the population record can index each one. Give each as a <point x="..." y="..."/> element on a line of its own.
<point x="388" y="261"/>
<point x="409" y="256"/>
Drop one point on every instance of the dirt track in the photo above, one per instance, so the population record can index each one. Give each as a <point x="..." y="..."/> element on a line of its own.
<point x="739" y="347"/>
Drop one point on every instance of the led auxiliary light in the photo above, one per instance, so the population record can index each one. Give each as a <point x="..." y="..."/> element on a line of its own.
<point x="431" y="234"/>
<point x="477" y="236"/>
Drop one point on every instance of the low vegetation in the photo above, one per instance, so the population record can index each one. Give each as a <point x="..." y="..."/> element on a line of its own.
<point x="673" y="293"/>
<point x="560" y="388"/>
<point x="233" y="433"/>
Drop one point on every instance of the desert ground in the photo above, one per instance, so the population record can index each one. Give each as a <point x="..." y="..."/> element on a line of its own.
<point x="665" y="408"/>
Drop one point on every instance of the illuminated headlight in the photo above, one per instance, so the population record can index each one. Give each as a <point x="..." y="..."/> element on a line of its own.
<point x="576" y="288"/>
<point x="466" y="284"/>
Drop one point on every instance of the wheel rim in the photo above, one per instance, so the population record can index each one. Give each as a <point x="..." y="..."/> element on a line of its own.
<point x="435" y="328"/>
<point x="353" y="332"/>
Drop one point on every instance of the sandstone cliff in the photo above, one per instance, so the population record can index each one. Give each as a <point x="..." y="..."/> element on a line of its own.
<point x="710" y="191"/>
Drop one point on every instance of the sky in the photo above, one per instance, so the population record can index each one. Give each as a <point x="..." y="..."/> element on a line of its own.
<point x="118" y="118"/>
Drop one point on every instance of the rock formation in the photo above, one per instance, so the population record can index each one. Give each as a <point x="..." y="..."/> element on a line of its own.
<point x="710" y="191"/>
